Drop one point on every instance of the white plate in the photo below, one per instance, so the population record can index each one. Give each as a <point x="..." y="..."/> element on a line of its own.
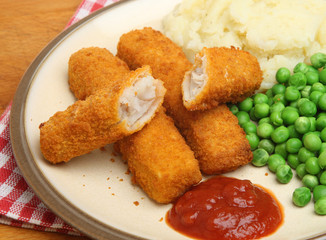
<point x="93" y="193"/>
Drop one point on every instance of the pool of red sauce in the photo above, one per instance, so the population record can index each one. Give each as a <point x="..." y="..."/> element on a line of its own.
<point x="226" y="208"/>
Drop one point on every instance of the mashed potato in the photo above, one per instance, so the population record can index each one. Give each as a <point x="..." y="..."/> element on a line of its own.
<point x="278" y="32"/>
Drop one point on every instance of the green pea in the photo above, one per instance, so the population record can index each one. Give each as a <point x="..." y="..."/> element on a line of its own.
<point x="318" y="60"/>
<point x="291" y="94"/>
<point x="316" y="133"/>
<point x="261" y="110"/>
<point x="293" y="145"/>
<point x="312" y="166"/>
<point x="320" y="206"/>
<point x="300" y="67"/>
<point x="322" y="160"/>
<point x="260" y="157"/>
<point x="305" y="92"/>
<point x="234" y="109"/>
<point x="301" y="170"/>
<point x="260" y="98"/>
<point x="319" y="192"/>
<point x="280" y="98"/>
<point x="301" y="101"/>
<point x="322" y="178"/>
<point x="321" y="123"/>
<point x="267" y="144"/>
<point x="243" y="117"/>
<point x="280" y="134"/>
<point x="293" y="133"/>
<point x="249" y="127"/>
<point x="298" y="80"/>
<point x="284" y="174"/>
<point x="322" y="102"/>
<point x="302" y="125"/>
<point x="312" y="123"/>
<point x="278" y="89"/>
<point x="246" y="104"/>
<point x="315" y="96"/>
<point x="282" y="75"/>
<point x="276" y="118"/>
<point x="274" y="161"/>
<point x="322" y="76"/>
<point x="252" y="114"/>
<point x="277" y="107"/>
<point x="318" y="87"/>
<point x="322" y="148"/>
<point x="301" y="196"/>
<point x="304" y="154"/>
<point x="281" y="149"/>
<point x="308" y="109"/>
<point x="323" y="135"/>
<point x="265" y="130"/>
<point x="253" y="140"/>
<point x="312" y="142"/>
<point x="310" y="181"/>
<point x="312" y="69"/>
<point x="293" y="161"/>
<point x="289" y="116"/>
<point x="312" y="77"/>
<point x="264" y="120"/>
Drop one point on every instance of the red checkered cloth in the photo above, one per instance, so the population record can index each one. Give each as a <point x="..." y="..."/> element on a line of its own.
<point x="19" y="206"/>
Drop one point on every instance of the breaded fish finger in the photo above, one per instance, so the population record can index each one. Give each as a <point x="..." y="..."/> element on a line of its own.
<point x="167" y="60"/>
<point x="218" y="141"/>
<point x="157" y="156"/>
<point x="89" y="70"/>
<point x="104" y="117"/>
<point x="160" y="160"/>
<point x="203" y="130"/>
<point x="220" y="75"/>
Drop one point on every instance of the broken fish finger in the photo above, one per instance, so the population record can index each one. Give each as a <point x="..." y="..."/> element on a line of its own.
<point x="104" y="117"/>
<point x="220" y="75"/>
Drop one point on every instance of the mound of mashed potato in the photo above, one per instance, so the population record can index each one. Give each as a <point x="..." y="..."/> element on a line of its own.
<point x="280" y="33"/>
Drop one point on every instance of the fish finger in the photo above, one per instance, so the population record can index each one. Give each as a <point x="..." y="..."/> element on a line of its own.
<point x="220" y="75"/>
<point x="88" y="71"/>
<point x="160" y="160"/>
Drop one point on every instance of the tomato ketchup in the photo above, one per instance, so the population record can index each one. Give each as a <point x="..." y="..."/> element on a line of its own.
<point x="226" y="208"/>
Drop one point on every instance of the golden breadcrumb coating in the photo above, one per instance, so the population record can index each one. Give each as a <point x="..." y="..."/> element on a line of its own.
<point x="90" y="124"/>
<point x="82" y="127"/>
<point x="160" y="160"/>
<point x="218" y="141"/>
<point x="201" y="130"/>
<point x="225" y="75"/>
<point x="93" y="68"/>
<point x="167" y="60"/>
